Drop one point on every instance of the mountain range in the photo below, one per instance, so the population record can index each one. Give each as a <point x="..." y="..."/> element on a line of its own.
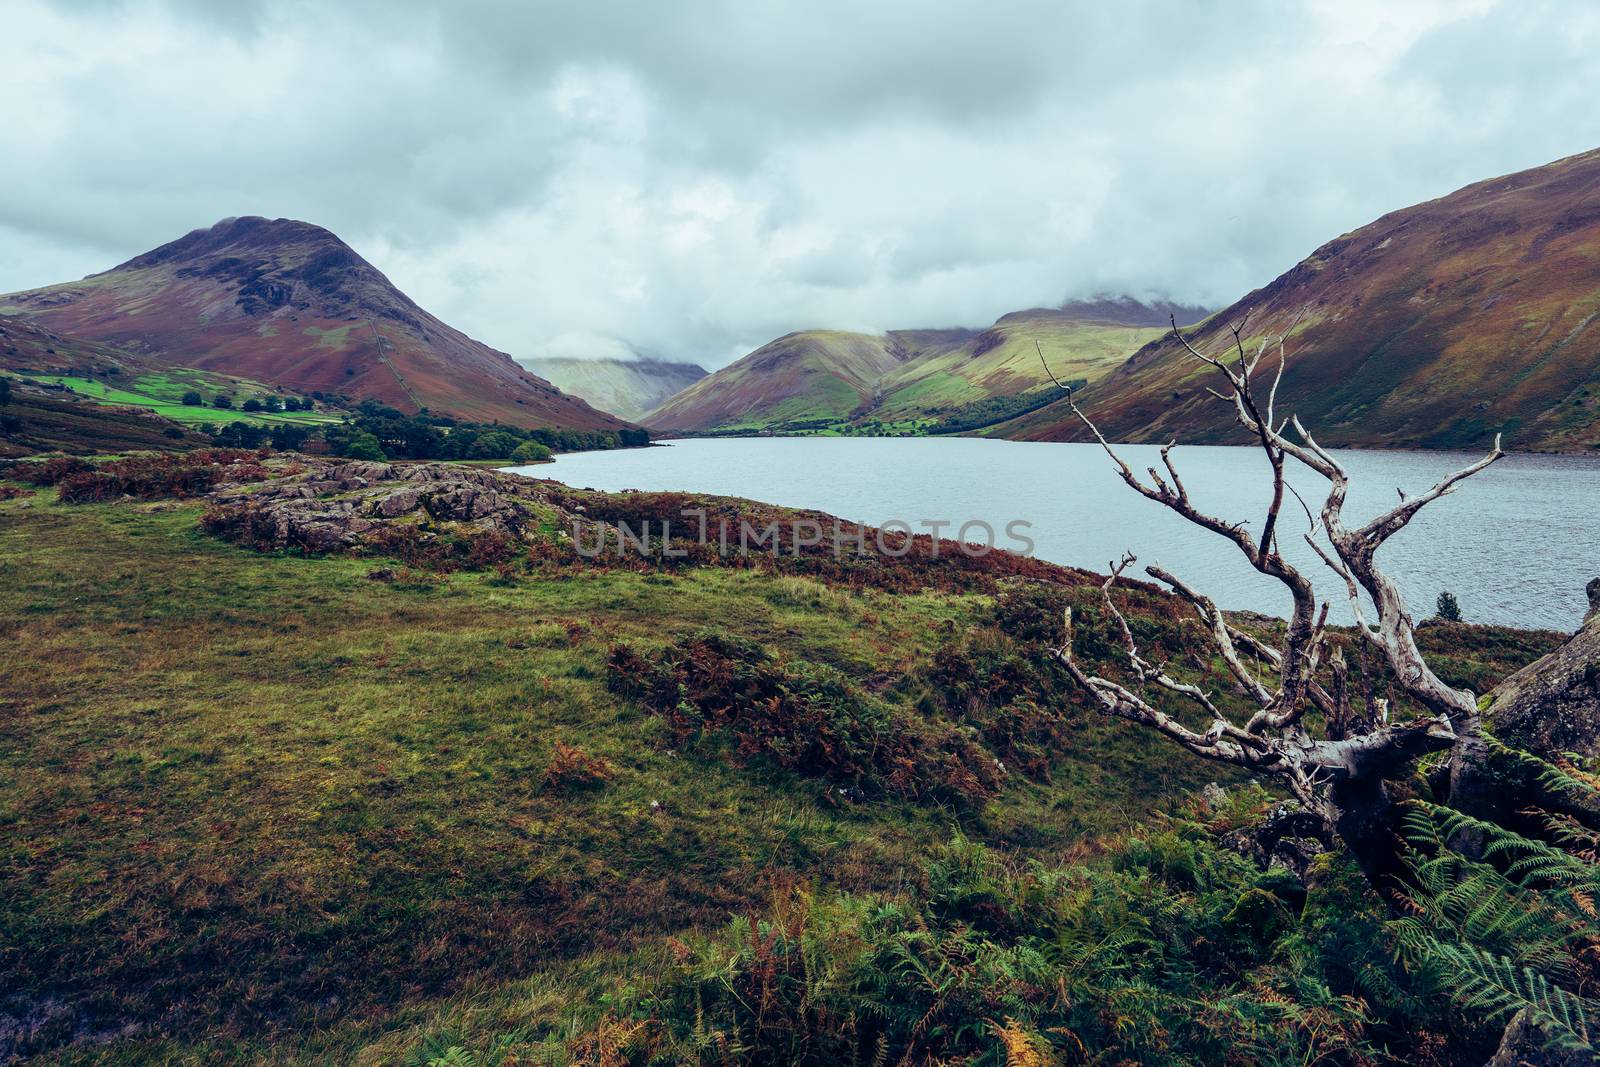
<point x="1435" y="326"/>
<point x="911" y="380"/>
<point x="288" y="303"/>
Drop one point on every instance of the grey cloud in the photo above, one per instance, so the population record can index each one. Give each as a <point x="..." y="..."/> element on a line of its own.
<point x="693" y="179"/>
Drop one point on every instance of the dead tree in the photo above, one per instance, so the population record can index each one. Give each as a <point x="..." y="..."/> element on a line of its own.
<point x="1341" y="770"/>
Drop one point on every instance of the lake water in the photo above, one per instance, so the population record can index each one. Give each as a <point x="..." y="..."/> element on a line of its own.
<point x="1515" y="544"/>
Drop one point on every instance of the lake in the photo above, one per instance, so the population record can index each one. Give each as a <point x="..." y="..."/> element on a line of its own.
<point x="1515" y="544"/>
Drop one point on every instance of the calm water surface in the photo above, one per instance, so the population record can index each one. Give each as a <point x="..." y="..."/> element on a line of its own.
<point x="1515" y="544"/>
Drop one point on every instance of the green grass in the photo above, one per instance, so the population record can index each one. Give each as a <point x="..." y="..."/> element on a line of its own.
<point x="262" y="808"/>
<point x="243" y="793"/>
<point x="163" y="394"/>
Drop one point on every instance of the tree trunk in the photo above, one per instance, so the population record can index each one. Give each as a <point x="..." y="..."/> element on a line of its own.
<point x="1366" y="820"/>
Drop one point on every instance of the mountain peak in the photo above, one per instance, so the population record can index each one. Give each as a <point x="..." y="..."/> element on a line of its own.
<point x="280" y="263"/>
<point x="243" y="233"/>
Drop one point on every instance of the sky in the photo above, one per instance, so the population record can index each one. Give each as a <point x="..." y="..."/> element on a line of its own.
<point x="688" y="180"/>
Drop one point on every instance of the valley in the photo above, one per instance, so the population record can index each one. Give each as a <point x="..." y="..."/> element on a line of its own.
<point x="911" y="381"/>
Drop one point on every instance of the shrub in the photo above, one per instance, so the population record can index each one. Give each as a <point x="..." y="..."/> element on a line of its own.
<point x="805" y="718"/>
<point x="193" y="399"/>
<point x="530" y="452"/>
<point x="1447" y="608"/>
<point x="50" y="471"/>
<point x="291" y="404"/>
<point x="272" y="403"/>
<point x="1172" y="951"/>
<point x="252" y="404"/>
<point x="5" y="391"/>
<point x="364" y="446"/>
<point x="181" y="475"/>
<point x="494" y="445"/>
<point x="222" y="401"/>
<point x="572" y="768"/>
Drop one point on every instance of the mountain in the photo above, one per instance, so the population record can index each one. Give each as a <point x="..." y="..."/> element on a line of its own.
<point x="626" y="388"/>
<point x="1435" y="326"/>
<point x="811" y="376"/>
<point x="288" y="303"/>
<point x="909" y="380"/>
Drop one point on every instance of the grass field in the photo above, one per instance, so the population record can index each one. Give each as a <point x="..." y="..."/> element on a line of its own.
<point x="247" y="798"/>
<point x="263" y="808"/>
<point x="163" y="392"/>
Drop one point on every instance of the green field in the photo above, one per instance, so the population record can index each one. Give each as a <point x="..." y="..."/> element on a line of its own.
<point x="163" y="394"/>
<point x="247" y="784"/>
<point x="263" y="808"/>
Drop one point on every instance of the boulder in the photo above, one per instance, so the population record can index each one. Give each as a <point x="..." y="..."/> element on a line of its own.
<point x="1552" y="705"/>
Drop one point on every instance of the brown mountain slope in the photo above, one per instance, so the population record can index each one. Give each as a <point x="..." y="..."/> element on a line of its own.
<point x="1434" y="326"/>
<point x="288" y="303"/>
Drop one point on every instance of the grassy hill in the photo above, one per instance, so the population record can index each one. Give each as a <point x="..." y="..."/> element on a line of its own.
<point x="79" y="396"/>
<point x="333" y="808"/>
<point x="811" y="377"/>
<point x="908" y="381"/>
<point x="1435" y="326"/>
<point x="289" y="304"/>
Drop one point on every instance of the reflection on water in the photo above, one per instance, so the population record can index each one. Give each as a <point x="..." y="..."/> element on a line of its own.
<point x="1515" y="543"/>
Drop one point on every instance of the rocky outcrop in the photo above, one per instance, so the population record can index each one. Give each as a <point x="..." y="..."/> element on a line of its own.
<point x="342" y="505"/>
<point x="1552" y="705"/>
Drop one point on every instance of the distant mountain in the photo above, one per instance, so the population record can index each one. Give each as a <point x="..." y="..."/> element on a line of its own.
<point x="1435" y="326"/>
<point x="288" y="303"/>
<point x="626" y="388"/>
<point x="1126" y="311"/>
<point x="801" y="377"/>
<point x="908" y="380"/>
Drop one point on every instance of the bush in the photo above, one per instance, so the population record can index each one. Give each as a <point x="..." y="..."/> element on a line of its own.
<point x="291" y="404"/>
<point x="272" y="403"/>
<point x="496" y="444"/>
<point x="222" y="401"/>
<point x="1171" y="951"/>
<point x="185" y="474"/>
<point x="252" y="404"/>
<point x="805" y="718"/>
<point x="572" y="768"/>
<point x="5" y="391"/>
<point x="193" y="399"/>
<point x="530" y="452"/>
<point x="364" y="446"/>
<point x="50" y="471"/>
<point x="1447" y="608"/>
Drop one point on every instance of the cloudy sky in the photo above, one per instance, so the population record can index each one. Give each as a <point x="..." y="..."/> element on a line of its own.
<point x="691" y="179"/>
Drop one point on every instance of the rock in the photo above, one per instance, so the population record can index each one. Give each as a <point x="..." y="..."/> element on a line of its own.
<point x="340" y="505"/>
<point x="1552" y="705"/>
<point x="1522" y="1045"/>
<point x="400" y="503"/>
<point x="1288" y="838"/>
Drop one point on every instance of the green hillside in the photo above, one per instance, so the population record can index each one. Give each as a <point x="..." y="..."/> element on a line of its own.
<point x="904" y="381"/>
